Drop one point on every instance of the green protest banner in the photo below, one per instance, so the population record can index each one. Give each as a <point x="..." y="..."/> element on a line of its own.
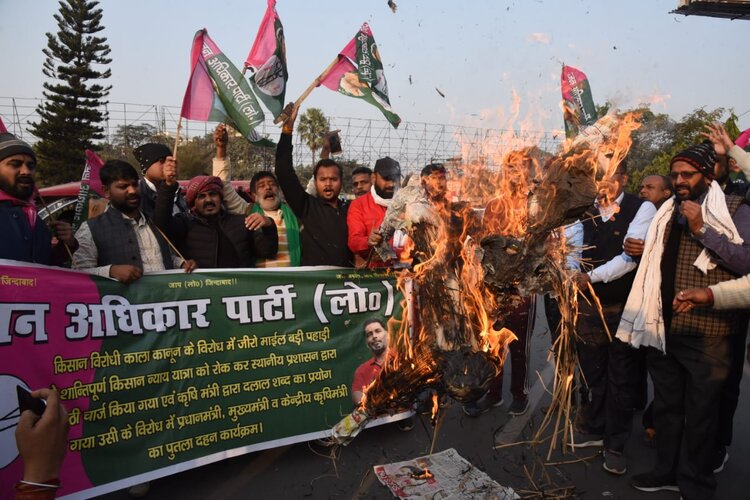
<point x="177" y="370"/>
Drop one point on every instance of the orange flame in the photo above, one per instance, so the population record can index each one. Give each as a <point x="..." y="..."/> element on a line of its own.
<point x="516" y="185"/>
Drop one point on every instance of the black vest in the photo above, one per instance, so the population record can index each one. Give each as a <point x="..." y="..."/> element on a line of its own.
<point x="605" y="240"/>
<point x="117" y="244"/>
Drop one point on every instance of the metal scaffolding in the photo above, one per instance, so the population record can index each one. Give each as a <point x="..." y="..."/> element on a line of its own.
<point x="413" y="144"/>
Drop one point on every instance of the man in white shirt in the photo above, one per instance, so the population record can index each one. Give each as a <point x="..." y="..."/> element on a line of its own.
<point x="609" y="367"/>
<point x="122" y="243"/>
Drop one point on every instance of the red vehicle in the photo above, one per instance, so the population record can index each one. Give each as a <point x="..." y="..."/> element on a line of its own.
<point x="60" y="200"/>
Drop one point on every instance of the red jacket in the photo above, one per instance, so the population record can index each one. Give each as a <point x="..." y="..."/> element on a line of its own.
<point x="364" y="215"/>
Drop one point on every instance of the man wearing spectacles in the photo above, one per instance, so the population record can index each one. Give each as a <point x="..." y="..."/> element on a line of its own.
<point x="698" y="239"/>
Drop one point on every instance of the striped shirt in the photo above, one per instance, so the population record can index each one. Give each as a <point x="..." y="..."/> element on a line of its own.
<point x="282" y="258"/>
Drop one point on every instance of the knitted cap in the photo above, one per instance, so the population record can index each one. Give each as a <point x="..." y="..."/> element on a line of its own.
<point x="11" y="145"/>
<point x="701" y="156"/>
<point x="150" y="153"/>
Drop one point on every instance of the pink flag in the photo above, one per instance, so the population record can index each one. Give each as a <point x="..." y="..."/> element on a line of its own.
<point x="358" y="72"/>
<point x="743" y="139"/>
<point x="200" y="102"/>
<point x="264" y="45"/>
<point x="333" y="77"/>
<point x="218" y="92"/>
<point x="267" y="59"/>
<point x="3" y="129"/>
<point x="94" y="164"/>
<point x="90" y="182"/>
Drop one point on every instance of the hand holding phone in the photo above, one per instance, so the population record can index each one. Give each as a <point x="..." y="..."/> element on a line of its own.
<point x="334" y="142"/>
<point x="42" y="440"/>
<point x="28" y="402"/>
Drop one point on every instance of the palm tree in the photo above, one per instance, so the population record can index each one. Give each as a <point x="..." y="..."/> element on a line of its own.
<point x="312" y="127"/>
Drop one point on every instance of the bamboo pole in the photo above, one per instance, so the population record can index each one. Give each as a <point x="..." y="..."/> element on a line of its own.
<point x="177" y="137"/>
<point x="282" y="117"/>
<point x="171" y="245"/>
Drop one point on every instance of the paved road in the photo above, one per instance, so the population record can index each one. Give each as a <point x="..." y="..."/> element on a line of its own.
<point x="306" y="471"/>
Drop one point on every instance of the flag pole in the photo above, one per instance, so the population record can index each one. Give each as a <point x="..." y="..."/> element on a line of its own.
<point x="177" y="136"/>
<point x="171" y="245"/>
<point x="309" y="89"/>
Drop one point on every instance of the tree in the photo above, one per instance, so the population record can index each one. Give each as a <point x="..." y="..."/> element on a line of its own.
<point x="71" y="113"/>
<point x="660" y="138"/>
<point x="312" y="126"/>
<point x="128" y="137"/>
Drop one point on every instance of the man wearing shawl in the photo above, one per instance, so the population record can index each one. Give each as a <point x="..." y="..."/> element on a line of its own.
<point x="697" y="239"/>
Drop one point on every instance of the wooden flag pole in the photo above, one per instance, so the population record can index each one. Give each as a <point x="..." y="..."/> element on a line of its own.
<point x="282" y="117"/>
<point x="177" y="137"/>
<point x="171" y="245"/>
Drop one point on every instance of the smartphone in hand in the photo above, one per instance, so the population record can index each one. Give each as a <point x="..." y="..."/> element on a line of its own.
<point x="28" y="402"/>
<point x="334" y="142"/>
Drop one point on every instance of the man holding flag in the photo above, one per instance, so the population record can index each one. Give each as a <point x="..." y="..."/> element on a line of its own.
<point x="323" y="217"/>
<point x="25" y="236"/>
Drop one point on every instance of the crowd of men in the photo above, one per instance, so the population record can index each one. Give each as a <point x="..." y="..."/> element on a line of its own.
<point x="667" y="270"/>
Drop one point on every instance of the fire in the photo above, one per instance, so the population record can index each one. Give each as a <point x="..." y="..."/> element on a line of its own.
<point x="473" y="268"/>
<point x="435" y="406"/>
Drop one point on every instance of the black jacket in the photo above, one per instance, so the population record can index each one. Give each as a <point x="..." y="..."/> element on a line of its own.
<point x="19" y="241"/>
<point x="148" y="200"/>
<point x="322" y="227"/>
<point x="603" y="241"/>
<point x="223" y="241"/>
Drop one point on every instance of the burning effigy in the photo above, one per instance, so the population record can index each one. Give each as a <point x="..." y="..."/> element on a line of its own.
<point x="469" y="271"/>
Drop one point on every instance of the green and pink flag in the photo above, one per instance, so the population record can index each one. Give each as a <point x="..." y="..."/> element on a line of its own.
<point x="267" y="59"/>
<point x="90" y="184"/>
<point x="218" y="92"/>
<point x="359" y="73"/>
<point x="578" y="104"/>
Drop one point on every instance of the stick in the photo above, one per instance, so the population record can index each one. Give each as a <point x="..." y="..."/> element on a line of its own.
<point x="177" y="138"/>
<point x="174" y="249"/>
<point x="52" y="219"/>
<point x="282" y="117"/>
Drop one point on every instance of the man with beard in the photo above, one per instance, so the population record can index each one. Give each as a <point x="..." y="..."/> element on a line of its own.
<point x="265" y="191"/>
<point x="322" y="218"/>
<point x="376" y="338"/>
<point x="698" y="240"/>
<point x="361" y="181"/>
<point x="366" y="213"/>
<point x="122" y="243"/>
<point x="25" y="236"/>
<point x="209" y="234"/>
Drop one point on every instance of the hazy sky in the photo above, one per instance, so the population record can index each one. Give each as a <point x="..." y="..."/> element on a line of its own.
<point x="478" y="53"/>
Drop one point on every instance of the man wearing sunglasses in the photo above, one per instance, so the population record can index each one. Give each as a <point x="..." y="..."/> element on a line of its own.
<point x="698" y="239"/>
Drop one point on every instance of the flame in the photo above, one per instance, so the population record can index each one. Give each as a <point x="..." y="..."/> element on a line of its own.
<point x="450" y="308"/>
<point x="435" y="406"/>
